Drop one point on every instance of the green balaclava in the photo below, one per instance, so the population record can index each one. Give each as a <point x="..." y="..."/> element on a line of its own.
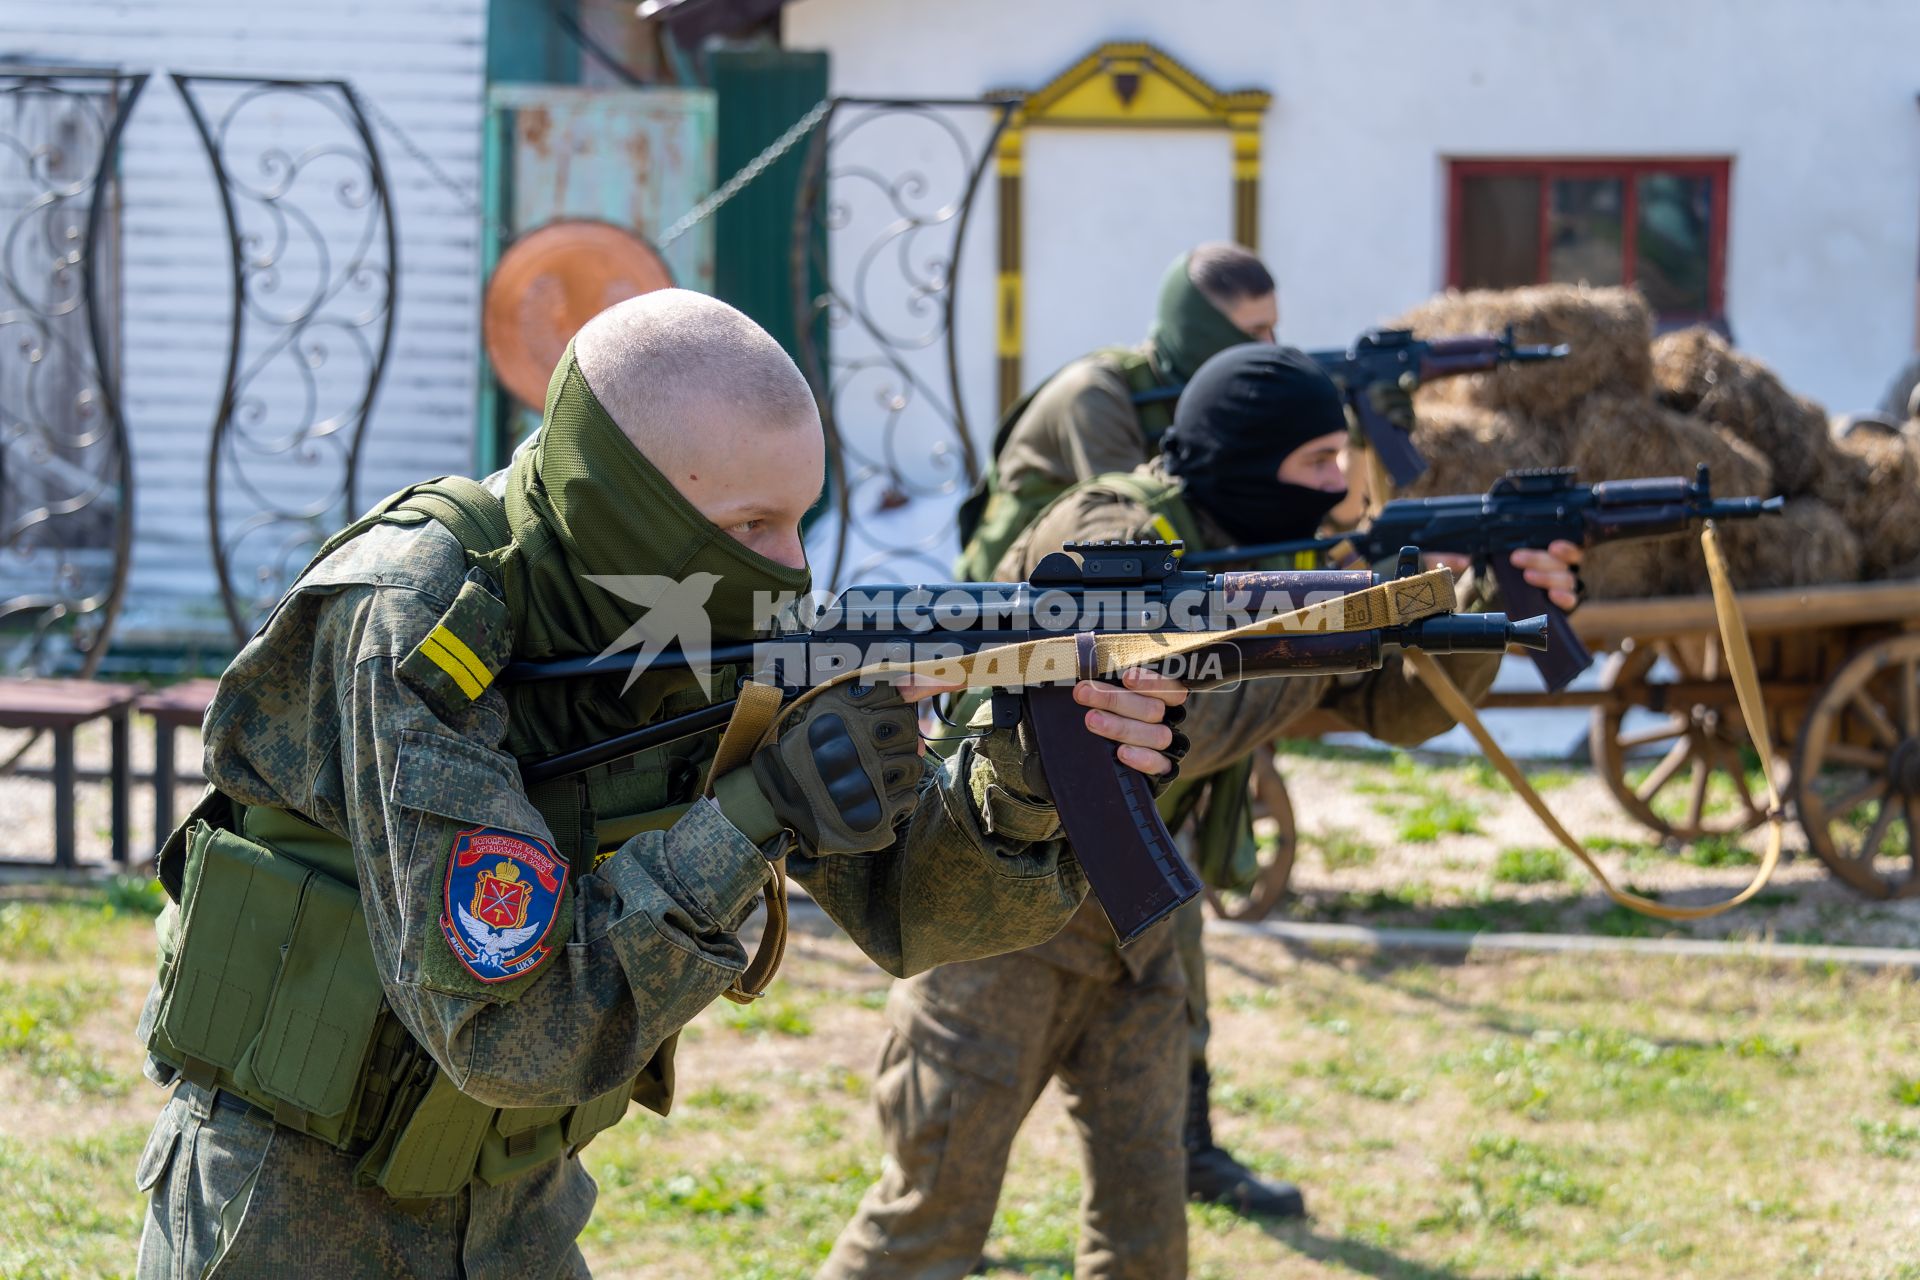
<point x="1188" y="329"/>
<point x="583" y="502"/>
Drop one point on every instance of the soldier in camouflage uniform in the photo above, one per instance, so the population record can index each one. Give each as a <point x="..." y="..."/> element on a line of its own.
<point x="1105" y="414"/>
<point x="971" y="1046"/>
<point x="399" y="989"/>
<point x="1106" y="411"/>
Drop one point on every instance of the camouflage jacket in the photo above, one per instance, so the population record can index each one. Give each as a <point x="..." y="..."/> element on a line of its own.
<point x="1082" y="423"/>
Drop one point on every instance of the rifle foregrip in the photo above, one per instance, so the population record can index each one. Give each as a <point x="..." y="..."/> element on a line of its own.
<point x="1109" y="814"/>
<point x="1565" y="657"/>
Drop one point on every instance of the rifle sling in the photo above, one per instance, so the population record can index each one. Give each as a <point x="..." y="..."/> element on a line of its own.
<point x="754" y="713"/>
<point x="1746" y="684"/>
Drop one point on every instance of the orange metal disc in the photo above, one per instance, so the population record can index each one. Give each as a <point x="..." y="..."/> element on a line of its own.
<point x="551" y="281"/>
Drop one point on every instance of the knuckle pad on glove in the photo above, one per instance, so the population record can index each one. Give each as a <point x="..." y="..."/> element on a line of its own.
<point x="843" y="772"/>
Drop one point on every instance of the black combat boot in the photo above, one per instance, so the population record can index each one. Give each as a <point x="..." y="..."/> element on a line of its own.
<point x="1215" y="1177"/>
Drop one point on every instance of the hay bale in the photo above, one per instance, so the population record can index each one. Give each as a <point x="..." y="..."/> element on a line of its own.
<point x="1807" y="544"/>
<point x="1617" y="437"/>
<point x="1873" y="481"/>
<point x="1609" y="331"/>
<point x="1698" y="373"/>
<point x="1634" y="570"/>
<point x="1468" y="448"/>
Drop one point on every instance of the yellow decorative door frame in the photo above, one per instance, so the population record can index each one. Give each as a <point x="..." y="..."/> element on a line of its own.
<point x="1127" y="85"/>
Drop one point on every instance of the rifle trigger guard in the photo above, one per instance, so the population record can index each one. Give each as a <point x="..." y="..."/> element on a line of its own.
<point x="933" y="704"/>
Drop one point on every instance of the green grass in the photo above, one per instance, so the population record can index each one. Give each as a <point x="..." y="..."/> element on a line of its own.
<point x="1538" y="864"/>
<point x="71" y="1207"/>
<point x="1341" y="849"/>
<point x="1314" y="749"/>
<point x="1435" y="816"/>
<point x="1617" y="844"/>
<point x="1413" y="895"/>
<point x="1505" y="1181"/>
<point x="1718" y="851"/>
<point x="1887" y="1138"/>
<point x="1585" y="1070"/>
<point x="770" y="1015"/>
<point x="1490" y="1119"/>
<point x="37" y="1023"/>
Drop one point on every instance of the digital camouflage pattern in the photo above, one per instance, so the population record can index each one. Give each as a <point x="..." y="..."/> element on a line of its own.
<point x="970" y="1048"/>
<point x="321" y="714"/>
<point x="1120" y="1041"/>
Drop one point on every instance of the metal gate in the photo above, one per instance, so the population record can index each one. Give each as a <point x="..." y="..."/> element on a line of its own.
<point x="314" y="259"/>
<point x="878" y="340"/>
<point x="66" y="480"/>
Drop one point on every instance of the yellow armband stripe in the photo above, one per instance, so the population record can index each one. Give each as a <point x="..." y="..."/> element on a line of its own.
<point x="451" y="654"/>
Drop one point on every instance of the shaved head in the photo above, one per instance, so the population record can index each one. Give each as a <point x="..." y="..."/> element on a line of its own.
<point x="716" y="405"/>
<point x="669" y="363"/>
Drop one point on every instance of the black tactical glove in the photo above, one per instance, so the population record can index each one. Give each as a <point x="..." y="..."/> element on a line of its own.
<point x="845" y="769"/>
<point x="1393" y="402"/>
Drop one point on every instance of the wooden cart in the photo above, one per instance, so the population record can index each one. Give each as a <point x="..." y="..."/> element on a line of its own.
<point x="1840" y="671"/>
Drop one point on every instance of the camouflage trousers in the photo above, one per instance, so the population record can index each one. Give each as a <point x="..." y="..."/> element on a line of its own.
<point x="234" y="1194"/>
<point x="1188" y="926"/>
<point x="970" y="1049"/>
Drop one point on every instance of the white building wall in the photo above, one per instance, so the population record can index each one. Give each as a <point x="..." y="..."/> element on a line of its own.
<point x="423" y="63"/>
<point x="1815" y="102"/>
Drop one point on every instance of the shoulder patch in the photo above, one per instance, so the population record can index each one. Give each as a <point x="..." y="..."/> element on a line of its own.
<point x="457" y="660"/>
<point x="503" y="894"/>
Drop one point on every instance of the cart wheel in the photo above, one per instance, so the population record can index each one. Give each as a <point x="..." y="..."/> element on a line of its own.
<point x="1701" y="740"/>
<point x="1269" y="796"/>
<point x="1857" y="771"/>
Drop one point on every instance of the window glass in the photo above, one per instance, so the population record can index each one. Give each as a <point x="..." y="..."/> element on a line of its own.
<point x="1584" y="231"/>
<point x="1499" y="231"/>
<point x="1673" y="245"/>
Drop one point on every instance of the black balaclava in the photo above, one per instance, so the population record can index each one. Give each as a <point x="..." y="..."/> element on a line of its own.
<point x="1244" y="412"/>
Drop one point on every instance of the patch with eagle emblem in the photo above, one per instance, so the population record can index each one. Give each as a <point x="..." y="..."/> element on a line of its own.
<point x="502" y="897"/>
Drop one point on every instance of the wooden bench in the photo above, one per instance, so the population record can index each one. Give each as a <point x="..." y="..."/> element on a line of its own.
<point x="180" y="706"/>
<point x="59" y="707"/>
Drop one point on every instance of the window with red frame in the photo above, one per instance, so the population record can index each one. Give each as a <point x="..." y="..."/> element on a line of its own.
<point x="1660" y="224"/>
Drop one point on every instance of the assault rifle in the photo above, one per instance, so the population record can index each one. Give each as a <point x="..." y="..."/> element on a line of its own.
<point x="1395" y="355"/>
<point x="1083" y="591"/>
<point x="1528" y="509"/>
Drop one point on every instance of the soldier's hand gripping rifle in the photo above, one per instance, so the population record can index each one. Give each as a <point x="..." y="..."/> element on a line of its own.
<point x="1528" y="509"/>
<point x="1396" y="356"/>
<point x="1086" y="612"/>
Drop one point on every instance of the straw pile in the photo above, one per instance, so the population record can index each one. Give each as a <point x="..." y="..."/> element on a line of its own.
<point x="1698" y="373"/>
<point x="1807" y="544"/>
<point x="1624" y="437"/>
<point x="1609" y="330"/>
<point x="1468" y="448"/>
<point x="1874" y="482"/>
<point x="1624" y="405"/>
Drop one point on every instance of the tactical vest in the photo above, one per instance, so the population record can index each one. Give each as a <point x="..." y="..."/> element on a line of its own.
<point x="267" y="980"/>
<point x="993" y="515"/>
